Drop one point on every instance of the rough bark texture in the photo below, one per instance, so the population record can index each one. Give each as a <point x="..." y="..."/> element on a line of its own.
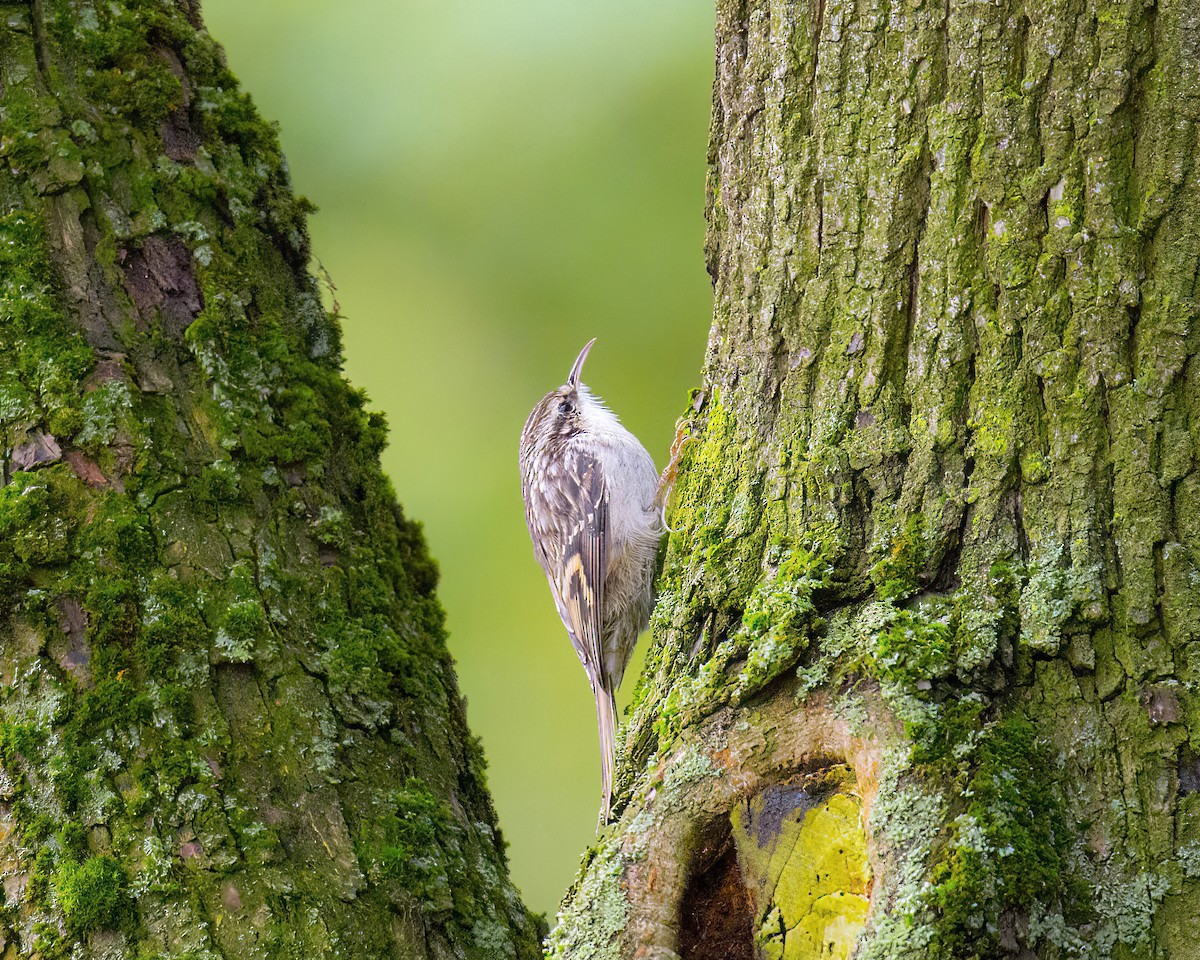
<point x="229" y="726"/>
<point x="936" y="546"/>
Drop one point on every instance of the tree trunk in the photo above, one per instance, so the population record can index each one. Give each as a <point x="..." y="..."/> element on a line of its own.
<point x="923" y="680"/>
<point x="229" y="726"/>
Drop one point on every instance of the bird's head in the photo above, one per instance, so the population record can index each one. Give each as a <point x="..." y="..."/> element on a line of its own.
<point x="569" y="403"/>
<point x="569" y="410"/>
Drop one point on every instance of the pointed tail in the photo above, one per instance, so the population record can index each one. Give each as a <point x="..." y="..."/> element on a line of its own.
<point x="606" y="719"/>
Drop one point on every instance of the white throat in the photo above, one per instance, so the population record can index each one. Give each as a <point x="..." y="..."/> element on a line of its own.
<point x="598" y="419"/>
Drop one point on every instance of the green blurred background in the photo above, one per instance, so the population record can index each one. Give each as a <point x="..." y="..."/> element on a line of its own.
<point x="498" y="183"/>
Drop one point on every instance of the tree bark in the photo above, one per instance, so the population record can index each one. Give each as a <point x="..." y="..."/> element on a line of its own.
<point x="229" y="726"/>
<point x="923" y="680"/>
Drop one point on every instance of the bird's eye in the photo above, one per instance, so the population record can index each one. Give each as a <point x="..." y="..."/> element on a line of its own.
<point x="564" y="406"/>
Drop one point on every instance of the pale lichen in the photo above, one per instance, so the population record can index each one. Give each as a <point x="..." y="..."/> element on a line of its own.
<point x="595" y="913"/>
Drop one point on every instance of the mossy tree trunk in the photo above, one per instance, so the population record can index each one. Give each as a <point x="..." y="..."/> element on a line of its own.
<point x="924" y="676"/>
<point x="229" y="726"/>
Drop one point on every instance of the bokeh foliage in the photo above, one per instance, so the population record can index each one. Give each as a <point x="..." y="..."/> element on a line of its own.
<point x="497" y="183"/>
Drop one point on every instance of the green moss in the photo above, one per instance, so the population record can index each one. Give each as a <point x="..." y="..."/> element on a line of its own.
<point x="1007" y="849"/>
<point x="421" y="844"/>
<point x="897" y="572"/>
<point x="332" y="527"/>
<point x="113" y="620"/>
<point x="217" y="483"/>
<point x="41" y="875"/>
<point x="416" y="844"/>
<point x="18" y="741"/>
<point x="967" y="353"/>
<point x="717" y="511"/>
<point x="917" y="646"/>
<point x="238" y="611"/>
<point x="776" y="627"/>
<point x="941" y="739"/>
<point x="780" y="615"/>
<point x="43" y="357"/>
<point x="1008" y="839"/>
<point x="985" y="619"/>
<point x="105" y="410"/>
<point x="35" y="525"/>
<point x="936" y="657"/>
<point x="118" y="531"/>
<point x="366" y="664"/>
<point x="93" y="895"/>
<point x="213" y="545"/>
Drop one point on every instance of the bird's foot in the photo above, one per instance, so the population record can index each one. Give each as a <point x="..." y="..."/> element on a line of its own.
<point x="666" y="481"/>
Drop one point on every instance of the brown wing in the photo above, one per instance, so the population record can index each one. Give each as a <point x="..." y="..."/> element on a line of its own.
<point x="569" y="531"/>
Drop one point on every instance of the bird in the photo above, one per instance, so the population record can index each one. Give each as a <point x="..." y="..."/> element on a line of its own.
<point x="590" y="491"/>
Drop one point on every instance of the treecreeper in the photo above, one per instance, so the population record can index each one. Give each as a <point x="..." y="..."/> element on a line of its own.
<point x="591" y="505"/>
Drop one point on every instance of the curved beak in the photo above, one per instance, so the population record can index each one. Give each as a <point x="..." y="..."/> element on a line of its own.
<point x="573" y="378"/>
